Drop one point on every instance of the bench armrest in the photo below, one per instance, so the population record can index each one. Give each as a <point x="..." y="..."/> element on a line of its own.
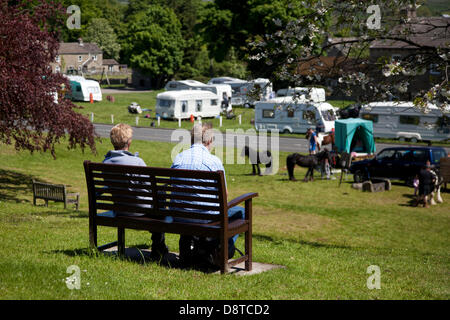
<point x="244" y="197"/>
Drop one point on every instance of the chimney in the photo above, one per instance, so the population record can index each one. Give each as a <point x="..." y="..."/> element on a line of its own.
<point x="80" y="42"/>
<point x="409" y="12"/>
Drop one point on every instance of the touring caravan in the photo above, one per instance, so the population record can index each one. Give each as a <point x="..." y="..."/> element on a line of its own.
<point x="404" y="121"/>
<point x="184" y="103"/>
<point x="221" y="90"/>
<point x="289" y="116"/>
<point x="261" y="86"/>
<point x="82" y="89"/>
<point x="313" y="94"/>
<point x="237" y="97"/>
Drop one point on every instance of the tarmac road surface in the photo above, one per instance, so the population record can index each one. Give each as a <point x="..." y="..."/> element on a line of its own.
<point x="164" y="135"/>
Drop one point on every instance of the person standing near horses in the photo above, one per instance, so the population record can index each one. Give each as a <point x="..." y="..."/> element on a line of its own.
<point x="311" y="135"/>
<point x="426" y="182"/>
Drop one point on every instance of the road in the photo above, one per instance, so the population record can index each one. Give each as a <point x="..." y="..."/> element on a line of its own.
<point x="164" y="135"/>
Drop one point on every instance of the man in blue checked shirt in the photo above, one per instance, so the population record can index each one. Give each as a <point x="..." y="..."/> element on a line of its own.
<point x="198" y="157"/>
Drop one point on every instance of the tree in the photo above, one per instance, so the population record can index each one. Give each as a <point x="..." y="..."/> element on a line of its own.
<point x="29" y="116"/>
<point x="154" y="43"/>
<point x="296" y="46"/>
<point x="100" y="32"/>
<point x="234" y="23"/>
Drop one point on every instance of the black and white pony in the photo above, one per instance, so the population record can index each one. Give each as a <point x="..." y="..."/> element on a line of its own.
<point x="311" y="162"/>
<point x="436" y="193"/>
<point x="258" y="157"/>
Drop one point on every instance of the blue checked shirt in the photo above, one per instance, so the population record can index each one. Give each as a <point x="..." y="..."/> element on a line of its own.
<point x="198" y="157"/>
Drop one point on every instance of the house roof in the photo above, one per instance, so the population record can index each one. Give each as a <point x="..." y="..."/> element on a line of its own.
<point x="109" y="62"/>
<point x="423" y="31"/>
<point x="77" y="48"/>
<point x="338" y="46"/>
<point x="328" y="66"/>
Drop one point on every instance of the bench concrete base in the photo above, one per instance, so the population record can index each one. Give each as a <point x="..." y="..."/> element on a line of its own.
<point x="172" y="260"/>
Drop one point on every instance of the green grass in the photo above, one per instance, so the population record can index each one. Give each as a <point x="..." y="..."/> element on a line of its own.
<point x="325" y="235"/>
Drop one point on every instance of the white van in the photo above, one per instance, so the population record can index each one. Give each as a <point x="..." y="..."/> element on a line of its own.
<point x="404" y="121"/>
<point x="184" y="103"/>
<point x="313" y="94"/>
<point x="289" y="116"/>
<point x="223" y="91"/>
<point x="82" y="89"/>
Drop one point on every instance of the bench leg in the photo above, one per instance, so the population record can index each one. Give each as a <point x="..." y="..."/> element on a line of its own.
<point x="121" y="241"/>
<point x="248" y="236"/>
<point x="223" y="255"/>
<point x="92" y="234"/>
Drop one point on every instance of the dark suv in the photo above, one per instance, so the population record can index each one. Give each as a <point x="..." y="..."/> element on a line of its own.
<point x="398" y="163"/>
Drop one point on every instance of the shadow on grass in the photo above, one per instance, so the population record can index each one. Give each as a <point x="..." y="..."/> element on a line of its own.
<point x="14" y="185"/>
<point x="139" y="254"/>
<point x="302" y="242"/>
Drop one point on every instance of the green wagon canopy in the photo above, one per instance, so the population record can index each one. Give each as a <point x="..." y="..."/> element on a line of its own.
<point x="354" y="135"/>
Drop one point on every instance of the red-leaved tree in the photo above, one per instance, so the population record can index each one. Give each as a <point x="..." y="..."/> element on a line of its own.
<point x="30" y="118"/>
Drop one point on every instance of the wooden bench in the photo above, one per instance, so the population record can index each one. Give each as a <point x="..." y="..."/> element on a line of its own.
<point x="54" y="192"/>
<point x="157" y="193"/>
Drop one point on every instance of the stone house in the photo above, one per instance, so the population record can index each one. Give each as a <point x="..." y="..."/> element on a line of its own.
<point x="78" y="57"/>
<point x="422" y="34"/>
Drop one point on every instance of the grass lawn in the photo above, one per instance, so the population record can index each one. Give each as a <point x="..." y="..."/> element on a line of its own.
<point x="326" y="236"/>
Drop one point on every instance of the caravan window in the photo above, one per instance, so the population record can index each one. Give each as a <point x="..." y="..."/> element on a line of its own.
<point x="93" y="89"/>
<point x="328" y="115"/>
<point x="268" y="113"/>
<point x="410" y="120"/>
<point x="371" y="117"/>
<point x="198" y="105"/>
<point x="290" y="113"/>
<point x="184" y="104"/>
<point x="165" y="103"/>
<point x="309" y="115"/>
<point x="78" y="88"/>
<point x="214" y="102"/>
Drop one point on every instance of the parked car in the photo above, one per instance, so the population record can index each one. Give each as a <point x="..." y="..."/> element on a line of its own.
<point x="397" y="163"/>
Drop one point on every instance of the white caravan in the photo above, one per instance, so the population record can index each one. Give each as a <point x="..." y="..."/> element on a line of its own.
<point x="263" y="87"/>
<point x="402" y="120"/>
<point x="221" y="90"/>
<point x="289" y="116"/>
<point x="181" y="104"/>
<point x="81" y="89"/>
<point x="313" y="94"/>
<point x="237" y="97"/>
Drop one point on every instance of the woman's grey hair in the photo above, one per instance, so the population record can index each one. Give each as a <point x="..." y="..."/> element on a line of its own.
<point x="202" y="133"/>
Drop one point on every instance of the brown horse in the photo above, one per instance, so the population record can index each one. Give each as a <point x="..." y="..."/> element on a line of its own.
<point x="328" y="139"/>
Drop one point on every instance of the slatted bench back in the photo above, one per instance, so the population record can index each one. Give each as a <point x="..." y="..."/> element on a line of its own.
<point x="156" y="192"/>
<point x="55" y="192"/>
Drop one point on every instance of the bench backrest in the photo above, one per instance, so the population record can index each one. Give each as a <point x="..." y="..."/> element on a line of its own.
<point x="156" y="192"/>
<point x="49" y="191"/>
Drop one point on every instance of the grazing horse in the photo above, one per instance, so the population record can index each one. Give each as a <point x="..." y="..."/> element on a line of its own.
<point x="264" y="157"/>
<point x="311" y="162"/>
